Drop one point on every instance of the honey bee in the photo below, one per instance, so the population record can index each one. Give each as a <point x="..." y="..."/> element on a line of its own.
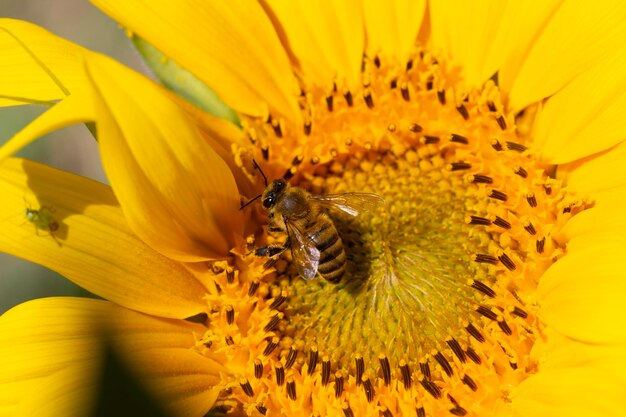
<point x="316" y="246"/>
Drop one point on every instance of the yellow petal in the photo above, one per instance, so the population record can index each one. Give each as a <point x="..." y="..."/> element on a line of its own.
<point x="37" y="66"/>
<point x="186" y="381"/>
<point x="464" y="31"/>
<point x="579" y="35"/>
<point x="327" y="38"/>
<point x="178" y="195"/>
<point x="587" y="115"/>
<point x="392" y="27"/>
<point x="600" y="224"/>
<point x="42" y="337"/>
<point x="77" y="108"/>
<point x="581" y="391"/>
<point x="582" y="295"/>
<point x="231" y="46"/>
<point x="93" y="245"/>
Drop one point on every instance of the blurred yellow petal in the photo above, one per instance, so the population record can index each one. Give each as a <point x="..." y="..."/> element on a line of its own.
<point x="231" y="46"/>
<point x="37" y="66"/>
<point x="186" y="381"/>
<point x="72" y="110"/>
<point x="567" y="131"/>
<point x="327" y="38"/>
<point x="42" y="337"/>
<point x="93" y="245"/>
<point x="392" y="27"/>
<point x="178" y="195"/>
<point x="464" y="32"/>
<point x="605" y="223"/>
<point x="579" y="35"/>
<point x="579" y="298"/>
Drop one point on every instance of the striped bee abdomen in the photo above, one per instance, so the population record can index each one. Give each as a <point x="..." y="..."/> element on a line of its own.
<point x="332" y="263"/>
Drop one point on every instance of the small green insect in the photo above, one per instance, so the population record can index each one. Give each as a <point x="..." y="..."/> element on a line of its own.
<point x="42" y="219"/>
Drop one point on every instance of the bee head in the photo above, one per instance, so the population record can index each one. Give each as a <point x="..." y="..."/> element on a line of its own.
<point x="272" y="192"/>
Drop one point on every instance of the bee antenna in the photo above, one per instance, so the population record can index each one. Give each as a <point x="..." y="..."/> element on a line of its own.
<point x="261" y="171"/>
<point x="250" y="202"/>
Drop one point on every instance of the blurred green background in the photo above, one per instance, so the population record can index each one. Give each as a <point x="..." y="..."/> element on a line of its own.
<point x="72" y="149"/>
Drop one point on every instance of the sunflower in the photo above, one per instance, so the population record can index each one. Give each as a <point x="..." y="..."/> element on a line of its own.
<point x="486" y="284"/>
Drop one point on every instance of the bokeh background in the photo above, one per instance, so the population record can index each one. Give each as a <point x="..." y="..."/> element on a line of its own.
<point x="72" y="149"/>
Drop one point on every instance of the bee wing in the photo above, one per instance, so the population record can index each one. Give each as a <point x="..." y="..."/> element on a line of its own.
<point x="350" y="203"/>
<point x="304" y="251"/>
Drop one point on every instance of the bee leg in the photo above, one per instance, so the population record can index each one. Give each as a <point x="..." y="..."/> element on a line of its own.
<point x="275" y="229"/>
<point x="272" y="250"/>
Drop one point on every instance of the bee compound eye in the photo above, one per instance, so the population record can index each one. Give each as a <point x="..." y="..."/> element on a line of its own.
<point x="268" y="201"/>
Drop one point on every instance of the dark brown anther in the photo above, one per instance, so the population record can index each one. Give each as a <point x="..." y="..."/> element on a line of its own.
<point x="289" y="173"/>
<point x="514" y="146"/>
<point x="230" y="314"/>
<point x="521" y="172"/>
<point x="348" y="96"/>
<point x="271" y="325"/>
<point x="478" y="220"/>
<point x="420" y="412"/>
<point x="404" y="90"/>
<point x="307" y="127"/>
<point x="458" y="166"/>
<point x="532" y="201"/>
<point x="459" y="139"/>
<point x="246" y="387"/>
<point x="230" y="275"/>
<point x="530" y="228"/>
<point x="415" y="128"/>
<point x="513" y="364"/>
<point x="428" y="139"/>
<point x="261" y="409"/>
<point x="547" y="189"/>
<point x="500" y="222"/>
<point x="385" y="412"/>
<point x="475" y="333"/>
<point x="279" y="300"/>
<point x="501" y="122"/>
<point x="469" y="382"/>
<point x="265" y="152"/>
<point x="456" y="349"/>
<point x="254" y="285"/>
<point x="312" y="363"/>
<point x="429" y="83"/>
<point x="462" y="111"/>
<point x="297" y="160"/>
<point x="278" y="131"/>
<point x="258" y="368"/>
<point x="506" y="261"/>
<point x="291" y="389"/>
<point x="409" y="65"/>
<point x="495" y="144"/>
<point x="271" y="345"/>
<point x="229" y="340"/>
<point x="443" y="362"/>
<point x="540" y="244"/>
<point x="487" y="312"/>
<point x="279" y="372"/>
<point x="347" y="411"/>
<point x="458" y="411"/>
<point x="406" y="374"/>
<point x="385" y="368"/>
<point x="485" y="259"/>
<point x="425" y="369"/>
<point x="338" y="384"/>
<point x="329" y="103"/>
<point x="481" y="179"/>
<point x="504" y="326"/>
<point x="360" y="368"/>
<point x="441" y="95"/>
<point x="519" y="312"/>
<point x="291" y="357"/>
<point x="471" y="353"/>
<point x="431" y="387"/>
<point x="491" y="105"/>
<point x="325" y="370"/>
<point x="368" y="388"/>
<point x="369" y="100"/>
<point x="497" y="195"/>
<point x="377" y="61"/>
<point x="484" y="288"/>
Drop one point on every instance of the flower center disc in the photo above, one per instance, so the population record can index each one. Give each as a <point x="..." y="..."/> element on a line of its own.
<point x="437" y="298"/>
